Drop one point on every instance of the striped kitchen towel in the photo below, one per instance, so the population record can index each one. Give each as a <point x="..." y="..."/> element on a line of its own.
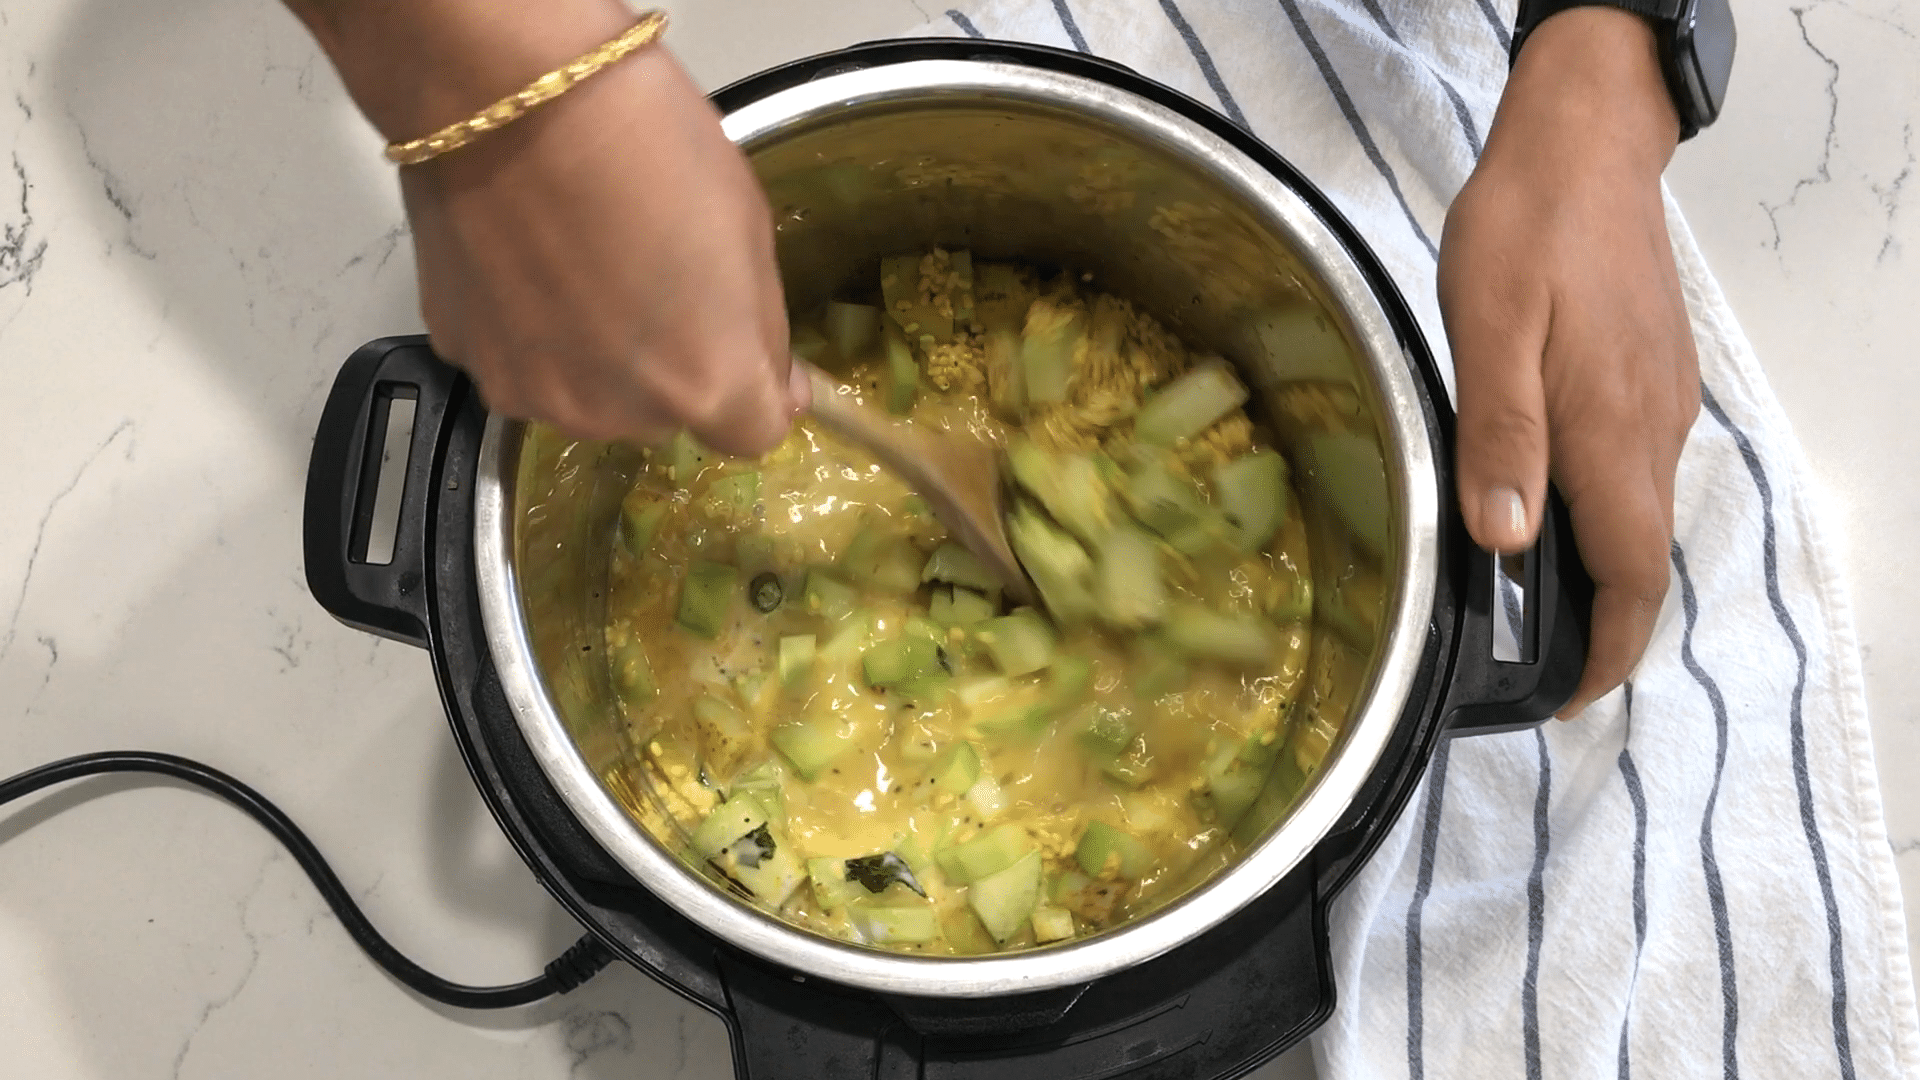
<point x="1694" y="878"/>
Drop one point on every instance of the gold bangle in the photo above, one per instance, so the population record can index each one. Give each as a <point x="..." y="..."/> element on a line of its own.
<point x="539" y="91"/>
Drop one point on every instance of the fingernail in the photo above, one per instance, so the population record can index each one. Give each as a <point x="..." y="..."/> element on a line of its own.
<point x="799" y="389"/>
<point x="1504" y="518"/>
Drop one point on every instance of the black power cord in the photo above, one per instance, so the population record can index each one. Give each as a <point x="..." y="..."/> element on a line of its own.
<point x="574" y="967"/>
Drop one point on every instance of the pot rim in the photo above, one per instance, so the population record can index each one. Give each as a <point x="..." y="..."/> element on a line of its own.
<point x="1412" y="479"/>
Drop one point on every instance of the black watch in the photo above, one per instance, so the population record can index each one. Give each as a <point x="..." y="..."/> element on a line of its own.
<point x="1696" y="48"/>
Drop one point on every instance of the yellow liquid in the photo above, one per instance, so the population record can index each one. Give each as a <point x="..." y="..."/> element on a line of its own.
<point x="815" y="495"/>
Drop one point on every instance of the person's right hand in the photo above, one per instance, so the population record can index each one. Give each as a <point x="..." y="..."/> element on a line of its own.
<point x="1569" y="328"/>
<point x="605" y="263"/>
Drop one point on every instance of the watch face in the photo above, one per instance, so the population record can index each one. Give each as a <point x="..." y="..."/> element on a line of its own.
<point x="1706" y="39"/>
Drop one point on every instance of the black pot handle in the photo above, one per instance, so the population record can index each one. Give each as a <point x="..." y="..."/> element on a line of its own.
<point x="386" y="599"/>
<point x="1489" y="695"/>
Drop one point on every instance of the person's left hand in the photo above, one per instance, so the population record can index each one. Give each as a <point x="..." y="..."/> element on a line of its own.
<point x="1573" y="354"/>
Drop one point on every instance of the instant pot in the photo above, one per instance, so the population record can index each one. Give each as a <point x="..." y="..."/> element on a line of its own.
<point x="1010" y="151"/>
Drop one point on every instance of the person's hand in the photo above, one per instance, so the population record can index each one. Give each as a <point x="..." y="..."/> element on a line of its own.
<point x="1571" y="345"/>
<point x="604" y="263"/>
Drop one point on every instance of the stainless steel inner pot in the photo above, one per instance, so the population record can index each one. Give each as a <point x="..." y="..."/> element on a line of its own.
<point x="1009" y="161"/>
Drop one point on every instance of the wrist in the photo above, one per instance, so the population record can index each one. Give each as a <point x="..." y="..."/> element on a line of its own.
<point x="1589" y="84"/>
<point x="417" y="66"/>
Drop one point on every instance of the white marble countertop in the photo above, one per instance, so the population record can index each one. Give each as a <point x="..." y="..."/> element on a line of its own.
<point x="195" y="230"/>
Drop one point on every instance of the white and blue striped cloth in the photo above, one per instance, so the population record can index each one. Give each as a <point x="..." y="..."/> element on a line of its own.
<point x="1693" y="879"/>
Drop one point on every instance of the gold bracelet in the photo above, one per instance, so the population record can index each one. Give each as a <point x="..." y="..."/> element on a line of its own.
<point x="539" y="91"/>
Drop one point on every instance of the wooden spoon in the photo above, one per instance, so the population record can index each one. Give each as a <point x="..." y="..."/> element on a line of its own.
<point x="959" y="476"/>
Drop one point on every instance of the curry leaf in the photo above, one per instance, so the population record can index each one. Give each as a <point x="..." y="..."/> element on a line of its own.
<point x="876" y="872"/>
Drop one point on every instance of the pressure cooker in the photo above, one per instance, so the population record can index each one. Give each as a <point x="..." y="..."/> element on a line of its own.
<point x="1009" y="151"/>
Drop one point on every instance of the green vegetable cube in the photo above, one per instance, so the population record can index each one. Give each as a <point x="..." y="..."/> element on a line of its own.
<point x="1302" y="343"/>
<point x="1189" y="405"/>
<point x="1156" y="670"/>
<point x="1002" y="293"/>
<point x="852" y="637"/>
<point x="831" y="889"/>
<point x="730" y="821"/>
<point x="1232" y="792"/>
<point x="1023" y="722"/>
<point x="1206" y="634"/>
<point x="1201" y="538"/>
<point x="977" y="690"/>
<point x="705" y="597"/>
<point x="1070" y="681"/>
<point x="732" y="497"/>
<point x="963" y="931"/>
<point x="1070" y="486"/>
<point x="764" y="864"/>
<point x="1349" y="468"/>
<point x="956" y="769"/>
<point x="987" y="854"/>
<point x="1131" y="590"/>
<point x="1019" y="643"/>
<point x="1253" y="497"/>
<point x="1107" y="733"/>
<point x="986" y="797"/>
<point x="902" y="375"/>
<point x="853" y="329"/>
<point x="633" y="675"/>
<point x="900" y="659"/>
<point x="896" y="925"/>
<point x="811" y="745"/>
<point x="956" y="565"/>
<point x="1047" y="346"/>
<point x="1005" y="901"/>
<point x="1130" y="770"/>
<point x="640" y="518"/>
<point x="914" y="855"/>
<point x="1105" y="851"/>
<point x="687" y="459"/>
<point x="927" y="690"/>
<point x="1059" y="566"/>
<point x="828" y="597"/>
<point x="1052" y="924"/>
<point x="1295" y="602"/>
<point x="959" y="607"/>
<point x="883" y="561"/>
<point x="795" y="660"/>
<point x="1162" y="500"/>
<point x="724" y="731"/>
<point x="763" y="783"/>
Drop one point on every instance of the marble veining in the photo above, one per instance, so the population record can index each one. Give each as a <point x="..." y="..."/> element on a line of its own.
<point x="126" y="427"/>
<point x="196" y="229"/>
<point x="21" y="249"/>
<point x="214" y="1005"/>
<point x="117" y="197"/>
<point x="1821" y="173"/>
<point x="1891" y="193"/>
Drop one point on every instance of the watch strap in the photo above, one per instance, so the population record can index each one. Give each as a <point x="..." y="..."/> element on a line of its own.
<point x="1534" y="12"/>
<point x="1663" y="14"/>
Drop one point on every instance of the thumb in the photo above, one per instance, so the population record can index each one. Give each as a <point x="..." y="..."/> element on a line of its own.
<point x="775" y="389"/>
<point x="756" y="414"/>
<point x="1503" y="441"/>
